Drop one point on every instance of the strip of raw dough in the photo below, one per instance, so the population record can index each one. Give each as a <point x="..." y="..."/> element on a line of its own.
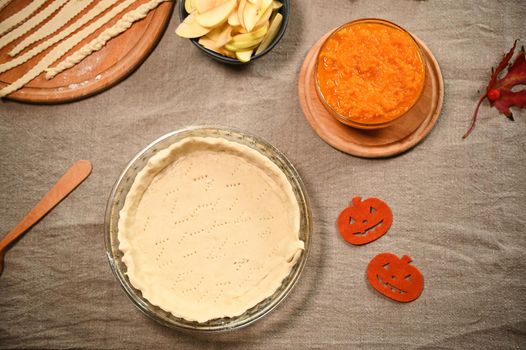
<point x="96" y="44"/>
<point x="4" y="3"/>
<point x="31" y="23"/>
<point x="20" y="16"/>
<point x="70" y="10"/>
<point x="94" y="12"/>
<point x="64" y="47"/>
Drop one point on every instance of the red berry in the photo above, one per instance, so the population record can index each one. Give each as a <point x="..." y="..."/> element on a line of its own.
<point x="493" y="94"/>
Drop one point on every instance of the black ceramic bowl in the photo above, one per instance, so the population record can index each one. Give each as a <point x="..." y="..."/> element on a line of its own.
<point x="284" y="10"/>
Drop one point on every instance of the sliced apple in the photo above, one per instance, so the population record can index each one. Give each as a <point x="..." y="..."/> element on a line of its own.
<point x="233" y="28"/>
<point x="264" y="18"/>
<point x="204" y="5"/>
<point x="246" y="41"/>
<point x="243" y="42"/>
<point x="243" y="45"/>
<point x="227" y="53"/>
<point x="276" y="5"/>
<point x="238" y="30"/>
<point x="221" y="35"/>
<point x="244" y="56"/>
<point x="240" y="10"/>
<point x="252" y="35"/>
<point x="189" y="28"/>
<point x="271" y="33"/>
<point x="209" y="43"/>
<point x="220" y="50"/>
<point x="233" y="19"/>
<point x="264" y="4"/>
<point x="217" y="15"/>
<point x="253" y="14"/>
<point x="189" y="6"/>
<point x="250" y="16"/>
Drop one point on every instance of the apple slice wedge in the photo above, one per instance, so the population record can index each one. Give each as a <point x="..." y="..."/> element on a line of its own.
<point x="233" y="19"/>
<point x="190" y="29"/>
<point x="250" y="16"/>
<point x="276" y="5"/>
<point x="227" y="53"/>
<point x="189" y="6"/>
<point x="241" y="45"/>
<point x="263" y="20"/>
<point x="240" y="10"/>
<point x="264" y="4"/>
<point x="257" y="34"/>
<point x="213" y="46"/>
<point x="220" y="35"/>
<point x="209" y="43"/>
<point x="253" y="13"/>
<point x="217" y="15"/>
<point x="271" y="33"/>
<point x="204" y="5"/>
<point x="248" y="40"/>
<point x="238" y="30"/>
<point x="244" y="55"/>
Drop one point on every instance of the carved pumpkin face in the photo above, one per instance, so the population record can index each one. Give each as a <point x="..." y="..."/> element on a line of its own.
<point x="395" y="278"/>
<point x="364" y="222"/>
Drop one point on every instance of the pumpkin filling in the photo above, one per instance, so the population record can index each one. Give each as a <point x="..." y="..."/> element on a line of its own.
<point x="370" y="72"/>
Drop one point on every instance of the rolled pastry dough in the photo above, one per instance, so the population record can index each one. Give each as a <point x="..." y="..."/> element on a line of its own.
<point x="98" y="43"/>
<point x="70" y="10"/>
<point x="31" y="22"/>
<point x="101" y="6"/>
<point x="65" y="46"/>
<point x="20" y="16"/>
<point x="209" y="229"/>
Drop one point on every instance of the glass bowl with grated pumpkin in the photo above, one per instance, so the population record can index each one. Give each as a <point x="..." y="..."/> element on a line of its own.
<point x="369" y="73"/>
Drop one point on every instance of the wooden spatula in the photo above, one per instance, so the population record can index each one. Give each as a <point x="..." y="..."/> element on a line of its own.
<point x="64" y="186"/>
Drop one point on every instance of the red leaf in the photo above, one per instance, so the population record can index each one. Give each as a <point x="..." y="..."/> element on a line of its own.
<point x="503" y="64"/>
<point x="499" y="91"/>
<point x="508" y="99"/>
<point x="516" y="74"/>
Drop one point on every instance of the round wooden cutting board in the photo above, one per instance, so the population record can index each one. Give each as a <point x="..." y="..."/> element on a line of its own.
<point x="392" y="140"/>
<point x="97" y="72"/>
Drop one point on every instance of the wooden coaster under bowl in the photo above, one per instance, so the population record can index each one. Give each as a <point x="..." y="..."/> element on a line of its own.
<point x="392" y="140"/>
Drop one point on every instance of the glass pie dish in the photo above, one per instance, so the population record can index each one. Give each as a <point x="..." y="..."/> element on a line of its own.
<point x="117" y="199"/>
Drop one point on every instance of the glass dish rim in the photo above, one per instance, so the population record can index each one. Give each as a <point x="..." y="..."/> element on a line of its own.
<point x="271" y="302"/>
<point x="351" y="122"/>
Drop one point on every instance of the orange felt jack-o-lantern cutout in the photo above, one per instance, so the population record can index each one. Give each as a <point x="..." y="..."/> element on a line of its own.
<point x="364" y="222"/>
<point x="395" y="278"/>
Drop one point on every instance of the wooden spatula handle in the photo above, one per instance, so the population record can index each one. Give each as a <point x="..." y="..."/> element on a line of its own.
<point x="67" y="183"/>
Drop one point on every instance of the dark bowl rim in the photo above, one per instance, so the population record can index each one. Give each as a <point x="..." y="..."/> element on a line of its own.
<point x="284" y="10"/>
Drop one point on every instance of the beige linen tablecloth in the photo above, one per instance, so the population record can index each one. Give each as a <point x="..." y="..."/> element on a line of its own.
<point x="459" y="205"/>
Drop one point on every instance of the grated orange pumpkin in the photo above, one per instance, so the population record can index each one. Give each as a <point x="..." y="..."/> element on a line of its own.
<point x="370" y="73"/>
